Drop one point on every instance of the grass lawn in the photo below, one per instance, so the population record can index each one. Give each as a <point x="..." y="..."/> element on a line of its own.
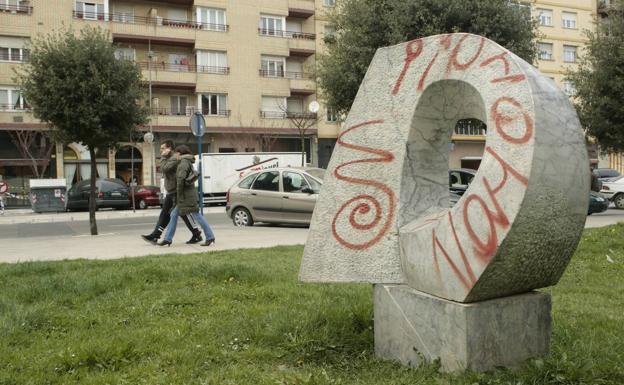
<point x="241" y="317"/>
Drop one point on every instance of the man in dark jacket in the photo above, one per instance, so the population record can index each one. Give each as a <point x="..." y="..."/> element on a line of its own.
<point x="169" y="167"/>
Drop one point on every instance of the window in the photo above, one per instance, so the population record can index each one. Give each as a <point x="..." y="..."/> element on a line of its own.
<point x="568" y="19"/>
<point x="178" y="105"/>
<point x="568" y="88"/>
<point x="314" y="184"/>
<point x="11" y="99"/>
<point x="212" y="61"/>
<point x="124" y="13"/>
<point x="125" y="54"/>
<point x="214" y="104"/>
<point x="273" y="66"/>
<point x="89" y="11"/>
<point x="212" y="19"/>
<point x="272" y="25"/>
<point x="246" y="183"/>
<point x="267" y="181"/>
<point x="274" y="107"/>
<point x="14" y="54"/>
<point x="294" y="182"/>
<point x="329" y="3"/>
<point x="545" y="16"/>
<point x="332" y="116"/>
<point x="545" y="51"/>
<point x="330" y="31"/>
<point x="569" y="53"/>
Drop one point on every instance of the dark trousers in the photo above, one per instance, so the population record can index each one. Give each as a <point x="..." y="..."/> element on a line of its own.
<point x="165" y="215"/>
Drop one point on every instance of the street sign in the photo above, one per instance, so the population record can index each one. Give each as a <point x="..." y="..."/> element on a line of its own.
<point x="4" y="187"/>
<point x="198" y="124"/>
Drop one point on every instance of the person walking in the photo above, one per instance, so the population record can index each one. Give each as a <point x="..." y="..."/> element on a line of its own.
<point x="168" y="167"/>
<point x="186" y="198"/>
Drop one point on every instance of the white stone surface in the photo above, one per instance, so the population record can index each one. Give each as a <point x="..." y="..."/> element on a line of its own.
<point x="411" y="326"/>
<point x="383" y="217"/>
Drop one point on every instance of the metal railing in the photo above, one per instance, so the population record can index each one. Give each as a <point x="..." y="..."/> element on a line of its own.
<point x="4" y="56"/>
<point x="188" y="111"/>
<point x="288" y="34"/>
<point x="471" y="131"/>
<point x="13" y="107"/>
<point x="161" y="21"/>
<point x="162" y="66"/>
<point x="285" y="74"/>
<point x="287" y="114"/>
<point x="27" y="9"/>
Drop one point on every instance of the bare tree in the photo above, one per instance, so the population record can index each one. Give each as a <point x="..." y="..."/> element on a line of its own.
<point x="35" y="146"/>
<point x="302" y="121"/>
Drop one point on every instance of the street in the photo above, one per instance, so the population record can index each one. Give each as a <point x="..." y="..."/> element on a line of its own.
<point x="26" y="236"/>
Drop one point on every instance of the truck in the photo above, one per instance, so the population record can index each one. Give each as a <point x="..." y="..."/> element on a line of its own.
<point x="221" y="170"/>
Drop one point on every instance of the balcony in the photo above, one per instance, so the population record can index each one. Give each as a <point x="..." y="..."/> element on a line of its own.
<point x="11" y="114"/>
<point x="188" y="111"/>
<point x="470" y="130"/>
<point x="20" y="8"/>
<point x="167" y="31"/>
<point x="287" y="115"/>
<point x="183" y="68"/>
<point x="285" y="74"/>
<point x="301" y="9"/>
<point x="286" y="34"/>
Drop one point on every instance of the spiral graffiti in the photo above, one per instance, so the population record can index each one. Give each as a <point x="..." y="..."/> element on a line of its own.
<point x="364" y="204"/>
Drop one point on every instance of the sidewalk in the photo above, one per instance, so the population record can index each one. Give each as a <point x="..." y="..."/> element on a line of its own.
<point x="28" y="216"/>
<point x="120" y="245"/>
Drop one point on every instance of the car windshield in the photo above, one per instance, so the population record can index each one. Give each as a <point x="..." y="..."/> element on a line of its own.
<point x="318" y="173"/>
<point x="608" y="173"/>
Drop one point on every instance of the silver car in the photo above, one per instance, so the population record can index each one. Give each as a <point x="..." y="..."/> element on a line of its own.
<point x="281" y="195"/>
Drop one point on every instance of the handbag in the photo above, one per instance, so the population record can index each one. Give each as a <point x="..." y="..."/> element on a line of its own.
<point x="192" y="177"/>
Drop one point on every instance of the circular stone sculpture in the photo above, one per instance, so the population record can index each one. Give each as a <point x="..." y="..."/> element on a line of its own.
<point x="383" y="215"/>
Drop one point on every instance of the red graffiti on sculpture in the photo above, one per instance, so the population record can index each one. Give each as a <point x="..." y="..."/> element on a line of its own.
<point x="364" y="203"/>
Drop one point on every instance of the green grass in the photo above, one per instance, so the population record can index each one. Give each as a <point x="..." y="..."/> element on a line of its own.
<point x="241" y="317"/>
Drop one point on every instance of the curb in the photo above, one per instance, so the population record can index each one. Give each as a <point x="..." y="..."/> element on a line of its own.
<point x="31" y="217"/>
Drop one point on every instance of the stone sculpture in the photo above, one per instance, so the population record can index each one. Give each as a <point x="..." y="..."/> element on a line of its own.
<point x="383" y="217"/>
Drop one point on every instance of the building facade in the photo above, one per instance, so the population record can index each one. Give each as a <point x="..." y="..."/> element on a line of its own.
<point x="247" y="65"/>
<point x="561" y="41"/>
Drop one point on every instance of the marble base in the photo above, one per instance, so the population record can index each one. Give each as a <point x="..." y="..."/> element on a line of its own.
<point x="411" y="326"/>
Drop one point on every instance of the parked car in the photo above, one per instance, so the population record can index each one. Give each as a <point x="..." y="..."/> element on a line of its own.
<point x="145" y="196"/>
<point x="597" y="203"/>
<point x="110" y="193"/>
<point x="460" y="179"/>
<point x="606" y="174"/>
<point x="281" y="195"/>
<point x="613" y="189"/>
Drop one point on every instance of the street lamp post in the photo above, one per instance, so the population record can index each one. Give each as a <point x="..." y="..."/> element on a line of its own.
<point x="198" y="127"/>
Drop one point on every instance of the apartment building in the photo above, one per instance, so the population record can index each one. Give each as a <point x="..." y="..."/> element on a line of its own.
<point x="247" y="65"/>
<point x="561" y="41"/>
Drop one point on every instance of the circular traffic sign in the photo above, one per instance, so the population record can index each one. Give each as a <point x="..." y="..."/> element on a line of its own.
<point x="4" y="187"/>
<point x="198" y="124"/>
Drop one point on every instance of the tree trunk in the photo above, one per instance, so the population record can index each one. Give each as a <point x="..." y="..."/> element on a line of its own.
<point x="92" y="195"/>
<point x="302" y="151"/>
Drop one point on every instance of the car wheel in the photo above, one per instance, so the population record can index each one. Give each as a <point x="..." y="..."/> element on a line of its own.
<point x="142" y="204"/>
<point x="241" y="217"/>
<point x="619" y="201"/>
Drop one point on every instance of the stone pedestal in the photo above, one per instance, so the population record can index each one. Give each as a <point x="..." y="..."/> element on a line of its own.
<point x="411" y="326"/>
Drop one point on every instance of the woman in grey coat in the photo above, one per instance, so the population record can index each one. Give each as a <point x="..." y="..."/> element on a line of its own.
<point x="186" y="198"/>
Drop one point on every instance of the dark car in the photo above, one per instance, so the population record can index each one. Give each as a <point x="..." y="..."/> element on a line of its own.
<point x="145" y="196"/>
<point x="110" y="193"/>
<point x="606" y="174"/>
<point x="597" y="203"/>
<point x="460" y="179"/>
